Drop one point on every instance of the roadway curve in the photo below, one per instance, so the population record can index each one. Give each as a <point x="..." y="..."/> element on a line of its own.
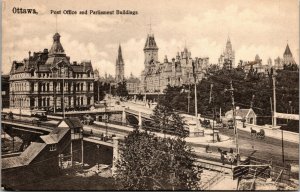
<point x="267" y="148"/>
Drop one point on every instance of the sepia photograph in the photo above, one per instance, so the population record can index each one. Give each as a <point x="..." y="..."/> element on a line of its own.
<point x="150" y="95"/>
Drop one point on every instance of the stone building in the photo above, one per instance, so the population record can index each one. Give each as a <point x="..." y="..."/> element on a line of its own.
<point x="286" y="60"/>
<point x="179" y="70"/>
<point x="119" y="66"/>
<point x="132" y="84"/>
<point x="258" y="66"/>
<point x="227" y="58"/>
<point x="45" y="79"/>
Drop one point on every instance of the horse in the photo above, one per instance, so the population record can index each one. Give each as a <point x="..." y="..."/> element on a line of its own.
<point x="261" y="134"/>
<point x="253" y="132"/>
<point x="229" y="156"/>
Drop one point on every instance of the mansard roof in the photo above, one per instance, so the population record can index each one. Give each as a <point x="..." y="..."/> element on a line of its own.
<point x="56" y="48"/>
<point x="44" y="61"/>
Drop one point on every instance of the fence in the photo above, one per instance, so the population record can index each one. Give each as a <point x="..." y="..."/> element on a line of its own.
<point x="281" y="173"/>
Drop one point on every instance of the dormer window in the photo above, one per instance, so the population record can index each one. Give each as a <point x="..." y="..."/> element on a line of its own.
<point x="53" y="147"/>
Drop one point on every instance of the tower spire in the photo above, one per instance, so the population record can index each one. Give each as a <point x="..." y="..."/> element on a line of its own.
<point x="56" y="23"/>
<point x="119" y="66"/>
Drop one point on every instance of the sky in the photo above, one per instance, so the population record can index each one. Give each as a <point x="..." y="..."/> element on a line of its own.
<point x="262" y="27"/>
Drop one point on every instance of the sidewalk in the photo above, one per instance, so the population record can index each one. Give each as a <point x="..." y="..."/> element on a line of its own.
<point x="271" y="132"/>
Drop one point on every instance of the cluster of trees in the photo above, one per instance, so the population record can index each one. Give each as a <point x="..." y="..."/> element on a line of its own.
<point x="250" y="89"/>
<point x="149" y="162"/>
<point x="121" y="89"/>
<point x="103" y="88"/>
<point x="100" y="90"/>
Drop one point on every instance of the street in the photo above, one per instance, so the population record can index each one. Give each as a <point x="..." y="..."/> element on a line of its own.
<point x="266" y="148"/>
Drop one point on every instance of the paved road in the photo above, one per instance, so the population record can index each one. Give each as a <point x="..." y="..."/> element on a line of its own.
<point x="267" y="148"/>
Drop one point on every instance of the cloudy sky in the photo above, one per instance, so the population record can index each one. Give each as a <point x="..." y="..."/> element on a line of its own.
<point x="255" y="27"/>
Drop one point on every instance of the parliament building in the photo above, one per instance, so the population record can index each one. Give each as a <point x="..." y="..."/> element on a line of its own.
<point x="175" y="72"/>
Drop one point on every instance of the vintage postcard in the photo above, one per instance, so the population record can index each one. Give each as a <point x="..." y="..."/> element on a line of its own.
<point x="150" y="95"/>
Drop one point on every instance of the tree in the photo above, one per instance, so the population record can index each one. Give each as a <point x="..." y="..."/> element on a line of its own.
<point x="148" y="162"/>
<point x="122" y="89"/>
<point x="166" y="119"/>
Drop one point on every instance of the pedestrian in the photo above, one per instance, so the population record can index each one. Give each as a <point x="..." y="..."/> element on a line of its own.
<point x="222" y="159"/>
<point x="218" y="137"/>
<point x="207" y="148"/>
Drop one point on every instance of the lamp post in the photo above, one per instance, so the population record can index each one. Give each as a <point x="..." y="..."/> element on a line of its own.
<point x="106" y="118"/>
<point x="98" y="91"/>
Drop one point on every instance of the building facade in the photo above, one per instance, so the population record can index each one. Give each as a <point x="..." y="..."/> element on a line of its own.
<point x="119" y="66"/>
<point x="227" y="58"/>
<point x="286" y="60"/>
<point x="178" y="71"/>
<point x="133" y="84"/>
<point x="50" y="81"/>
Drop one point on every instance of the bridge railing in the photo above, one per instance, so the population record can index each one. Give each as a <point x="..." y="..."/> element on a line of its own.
<point x="31" y="122"/>
<point x="137" y="113"/>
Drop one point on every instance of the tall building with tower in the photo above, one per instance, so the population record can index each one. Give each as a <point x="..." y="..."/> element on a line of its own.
<point x="48" y="80"/>
<point x="286" y="60"/>
<point x="227" y="58"/>
<point x="119" y="66"/>
<point x="175" y="72"/>
<point x="288" y="56"/>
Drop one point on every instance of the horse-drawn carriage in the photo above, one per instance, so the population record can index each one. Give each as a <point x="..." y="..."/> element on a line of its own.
<point x="205" y="123"/>
<point x="87" y="119"/>
<point x="260" y="134"/>
<point x="230" y="156"/>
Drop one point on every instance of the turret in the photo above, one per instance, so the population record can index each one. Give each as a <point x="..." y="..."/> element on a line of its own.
<point x="150" y="50"/>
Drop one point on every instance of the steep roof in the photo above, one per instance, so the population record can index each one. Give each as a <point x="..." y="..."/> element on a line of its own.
<point x="287" y="50"/>
<point x="73" y="122"/>
<point x="120" y="57"/>
<point x="240" y="112"/>
<point x="55" y="136"/>
<point x="150" y="43"/>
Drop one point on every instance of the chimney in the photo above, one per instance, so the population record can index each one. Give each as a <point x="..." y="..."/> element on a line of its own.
<point x="29" y="53"/>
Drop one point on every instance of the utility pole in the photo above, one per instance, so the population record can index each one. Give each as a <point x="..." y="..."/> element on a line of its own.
<point x="272" y="113"/>
<point x="282" y="146"/>
<point x="274" y="100"/>
<point x="98" y="91"/>
<point x="211" y="101"/>
<point x="234" y="122"/>
<point x="195" y="78"/>
<point x="158" y="85"/>
<point x="189" y="94"/>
